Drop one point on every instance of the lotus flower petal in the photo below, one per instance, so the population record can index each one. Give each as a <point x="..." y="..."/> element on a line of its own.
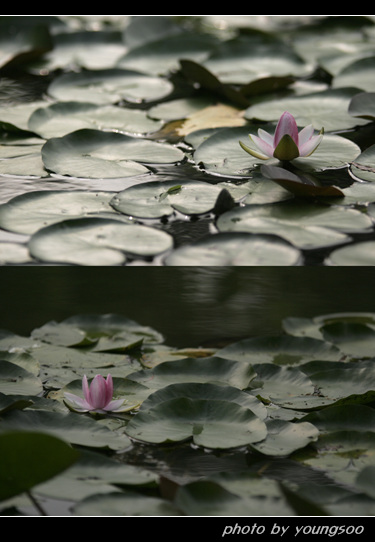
<point x="98" y="397"/>
<point x="287" y="143"/>
<point x="286" y="126"/>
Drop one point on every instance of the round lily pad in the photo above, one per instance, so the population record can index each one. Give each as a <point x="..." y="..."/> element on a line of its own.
<point x="362" y="253"/>
<point x="109" y="86"/>
<point x="61" y="118"/>
<point x="94" y="241"/>
<point x="212" y="424"/>
<point x="31" y="211"/>
<point x="326" y="109"/>
<point x="157" y="199"/>
<point x="307" y="226"/>
<point x="221" y="153"/>
<point x="236" y="249"/>
<point x="100" y="154"/>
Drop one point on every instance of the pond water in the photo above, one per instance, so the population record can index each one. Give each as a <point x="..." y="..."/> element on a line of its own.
<point x="191" y="306"/>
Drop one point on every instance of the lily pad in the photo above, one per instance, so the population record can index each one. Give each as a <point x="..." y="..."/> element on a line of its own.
<point x="358" y="254"/>
<point x="15" y="380"/>
<point x="212" y="424"/>
<point x="126" y="503"/>
<point x="157" y="199"/>
<point x="99" y="154"/>
<point x="29" y="212"/>
<point x="363" y="165"/>
<point x="203" y="370"/>
<point x="61" y="118"/>
<point x="109" y="86"/>
<point x="327" y="109"/>
<point x="66" y="426"/>
<point x="97" y="241"/>
<point x="206" y="390"/>
<point x="280" y="350"/>
<point x="284" y="438"/>
<point x="306" y="226"/>
<point x="357" y="74"/>
<point x="362" y="105"/>
<point x="221" y="153"/>
<point x="48" y="456"/>
<point x="300" y="185"/>
<point x="236" y="248"/>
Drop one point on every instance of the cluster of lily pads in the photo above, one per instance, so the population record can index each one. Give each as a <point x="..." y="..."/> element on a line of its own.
<point x="279" y="425"/>
<point x="140" y="128"/>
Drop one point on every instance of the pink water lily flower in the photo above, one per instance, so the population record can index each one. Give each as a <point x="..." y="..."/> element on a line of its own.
<point x="98" y="397"/>
<point x="286" y="143"/>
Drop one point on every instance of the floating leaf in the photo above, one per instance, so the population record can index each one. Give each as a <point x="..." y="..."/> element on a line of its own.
<point x="213" y="424"/>
<point x="68" y="426"/>
<point x="109" y="86"/>
<point x="29" y="212"/>
<point x="328" y="109"/>
<point x="280" y="350"/>
<point x="91" y="241"/>
<point x="211" y="369"/>
<point x="158" y="199"/>
<point x="284" y="438"/>
<point x="300" y="185"/>
<point x="100" y="154"/>
<point x="236" y="249"/>
<point x="308" y="226"/>
<point x="61" y="118"/>
<point x="47" y="456"/>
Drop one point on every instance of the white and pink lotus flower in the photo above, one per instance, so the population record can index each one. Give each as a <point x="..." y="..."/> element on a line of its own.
<point x="287" y="143"/>
<point x="98" y="397"/>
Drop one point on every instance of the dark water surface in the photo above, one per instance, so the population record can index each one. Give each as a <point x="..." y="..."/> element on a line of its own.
<point x="191" y="306"/>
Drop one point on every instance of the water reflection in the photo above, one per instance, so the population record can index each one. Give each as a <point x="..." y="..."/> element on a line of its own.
<point x="191" y="306"/>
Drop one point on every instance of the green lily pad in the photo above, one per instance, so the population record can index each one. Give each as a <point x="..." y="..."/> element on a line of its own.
<point x="357" y="74"/>
<point x="61" y="118"/>
<point x="327" y="109"/>
<point x="203" y="370"/>
<point x="306" y="226"/>
<point x="354" y="338"/>
<point x="280" y="350"/>
<point x="284" y="438"/>
<point x="14" y="380"/>
<point x="126" y="503"/>
<point x="206" y="390"/>
<point x="215" y="498"/>
<point x="255" y="54"/>
<point x="236" y="248"/>
<point x="362" y="105"/>
<point x="47" y="456"/>
<point x="69" y="427"/>
<point x="97" y="327"/>
<point x="280" y="382"/>
<point x="221" y="153"/>
<point x="363" y="165"/>
<point x="22" y="160"/>
<point x="97" y="241"/>
<point x="109" y="86"/>
<point x="20" y="42"/>
<point x="29" y="212"/>
<point x="89" y="49"/>
<point x="358" y="254"/>
<point x="299" y="185"/>
<point x="99" y="154"/>
<point x="162" y="55"/>
<point x="161" y="198"/>
<point x="212" y="424"/>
